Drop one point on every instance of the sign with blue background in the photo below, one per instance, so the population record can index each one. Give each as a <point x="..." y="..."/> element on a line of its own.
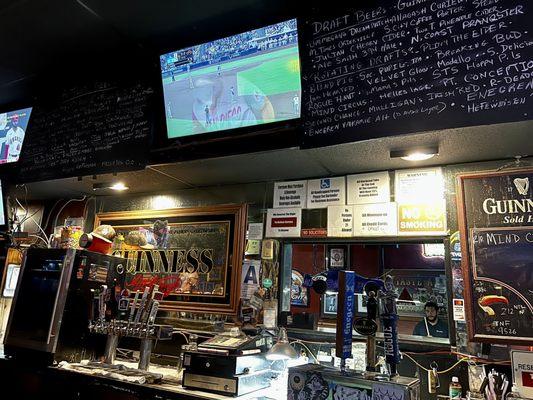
<point x="346" y="304"/>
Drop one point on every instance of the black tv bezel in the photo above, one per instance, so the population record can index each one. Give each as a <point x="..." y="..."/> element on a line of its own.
<point x="163" y="142"/>
<point x="6" y="226"/>
<point x="10" y="109"/>
<point x="9" y="170"/>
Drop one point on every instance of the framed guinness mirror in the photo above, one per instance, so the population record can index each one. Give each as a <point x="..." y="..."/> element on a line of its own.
<point x="193" y="254"/>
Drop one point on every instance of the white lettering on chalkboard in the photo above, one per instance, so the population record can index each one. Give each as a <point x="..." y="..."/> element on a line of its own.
<point x="435" y="63"/>
<point x="102" y="128"/>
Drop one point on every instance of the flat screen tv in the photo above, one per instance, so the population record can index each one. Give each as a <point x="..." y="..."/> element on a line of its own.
<point x="3" y="222"/>
<point x="248" y="79"/>
<point x="13" y="126"/>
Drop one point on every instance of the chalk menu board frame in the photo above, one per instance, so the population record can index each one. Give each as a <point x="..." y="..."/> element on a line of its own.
<point x="394" y="67"/>
<point x="233" y="140"/>
<point x="102" y="125"/>
<point x="468" y="226"/>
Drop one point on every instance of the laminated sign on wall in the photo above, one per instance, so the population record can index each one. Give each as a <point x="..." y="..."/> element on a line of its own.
<point x="284" y="222"/>
<point x="290" y="194"/>
<point x="340" y="221"/>
<point x="419" y="185"/>
<point x="250" y="278"/>
<point x="375" y="220"/>
<point x="325" y="192"/>
<point x="422" y="219"/>
<point x="523" y="372"/>
<point x="369" y="188"/>
<point x="255" y="231"/>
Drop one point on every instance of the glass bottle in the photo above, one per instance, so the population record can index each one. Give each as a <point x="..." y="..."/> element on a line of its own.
<point x="455" y="388"/>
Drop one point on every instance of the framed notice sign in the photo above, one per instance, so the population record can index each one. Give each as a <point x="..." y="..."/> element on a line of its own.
<point x="340" y="221"/>
<point x="325" y="192"/>
<point x="329" y="305"/>
<point x="193" y="254"/>
<point x="522" y="362"/>
<point x="496" y="224"/>
<point x="283" y="222"/>
<point x="425" y="219"/>
<point x="369" y="188"/>
<point x="290" y="194"/>
<point x="375" y="219"/>
<point x="411" y="185"/>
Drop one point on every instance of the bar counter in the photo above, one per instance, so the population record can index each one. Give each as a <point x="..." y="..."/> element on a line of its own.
<point x="33" y="381"/>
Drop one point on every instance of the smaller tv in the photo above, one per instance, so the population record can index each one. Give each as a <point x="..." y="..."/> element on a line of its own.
<point x="248" y="79"/>
<point x="13" y="125"/>
<point x="3" y="221"/>
<point x="12" y="276"/>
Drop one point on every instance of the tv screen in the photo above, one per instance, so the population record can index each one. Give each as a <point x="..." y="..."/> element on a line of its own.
<point x="248" y="79"/>
<point x="2" y="208"/>
<point x="13" y="126"/>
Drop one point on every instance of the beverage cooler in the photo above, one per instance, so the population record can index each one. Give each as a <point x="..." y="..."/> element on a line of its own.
<point x="312" y="381"/>
<point x="54" y="302"/>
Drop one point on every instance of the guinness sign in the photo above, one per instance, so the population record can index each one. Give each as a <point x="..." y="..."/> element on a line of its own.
<point x="194" y="255"/>
<point x="496" y="225"/>
<point x="172" y="261"/>
<point x="516" y="204"/>
<point x="493" y="206"/>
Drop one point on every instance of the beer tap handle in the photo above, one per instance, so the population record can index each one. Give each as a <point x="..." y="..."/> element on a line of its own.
<point x="101" y="303"/>
<point x="133" y="307"/>
<point x="153" y="313"/>
<point x="372" y="306"/>
<point x="142" y="306"/>
<point x="123" y="305"/>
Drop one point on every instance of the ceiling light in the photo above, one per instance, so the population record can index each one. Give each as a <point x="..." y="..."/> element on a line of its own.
<point x="118" y="186"/>
<point x="418" y="157"/>
<point x="415" y="154"/>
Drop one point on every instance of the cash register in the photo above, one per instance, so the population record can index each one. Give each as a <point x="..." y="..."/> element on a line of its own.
<point x="231" y="364"/>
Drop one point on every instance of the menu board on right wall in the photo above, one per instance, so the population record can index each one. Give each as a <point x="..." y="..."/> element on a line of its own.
<point x="405" y="66"/>
<point x="496" y="224"/>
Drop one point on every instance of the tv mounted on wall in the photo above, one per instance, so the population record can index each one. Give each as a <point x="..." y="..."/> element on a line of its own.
<point x="252" y="78"/>
<point x="13" y="126"/>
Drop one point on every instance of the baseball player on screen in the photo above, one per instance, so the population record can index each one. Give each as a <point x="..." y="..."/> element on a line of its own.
<point x="14" y="139"/>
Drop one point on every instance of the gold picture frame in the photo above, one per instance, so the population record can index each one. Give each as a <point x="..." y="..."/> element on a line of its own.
<point x="194" y="255"/>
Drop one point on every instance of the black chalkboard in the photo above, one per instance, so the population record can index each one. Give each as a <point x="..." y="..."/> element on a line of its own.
<point x="97" y="128"/>
<point x="406" y="66"/>
<point x="496" y="222"/>
<point x="502" y="263"/>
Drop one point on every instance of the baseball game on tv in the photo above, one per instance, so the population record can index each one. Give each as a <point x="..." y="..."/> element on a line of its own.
<point x="248" y="79"/>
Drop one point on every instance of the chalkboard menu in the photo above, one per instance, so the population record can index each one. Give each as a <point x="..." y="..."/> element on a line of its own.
<point x="98" y="128"/>
<point x="496" y="224"/>
<point x="413" y="65"/>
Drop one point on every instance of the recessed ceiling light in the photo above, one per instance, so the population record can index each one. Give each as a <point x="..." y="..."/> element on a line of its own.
<point x="415" y="154"/>
<point x="118" y="186"/>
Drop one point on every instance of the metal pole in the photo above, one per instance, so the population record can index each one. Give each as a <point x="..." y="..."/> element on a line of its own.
<point x="146" y="351"/>
<point x="110" y="349"/>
